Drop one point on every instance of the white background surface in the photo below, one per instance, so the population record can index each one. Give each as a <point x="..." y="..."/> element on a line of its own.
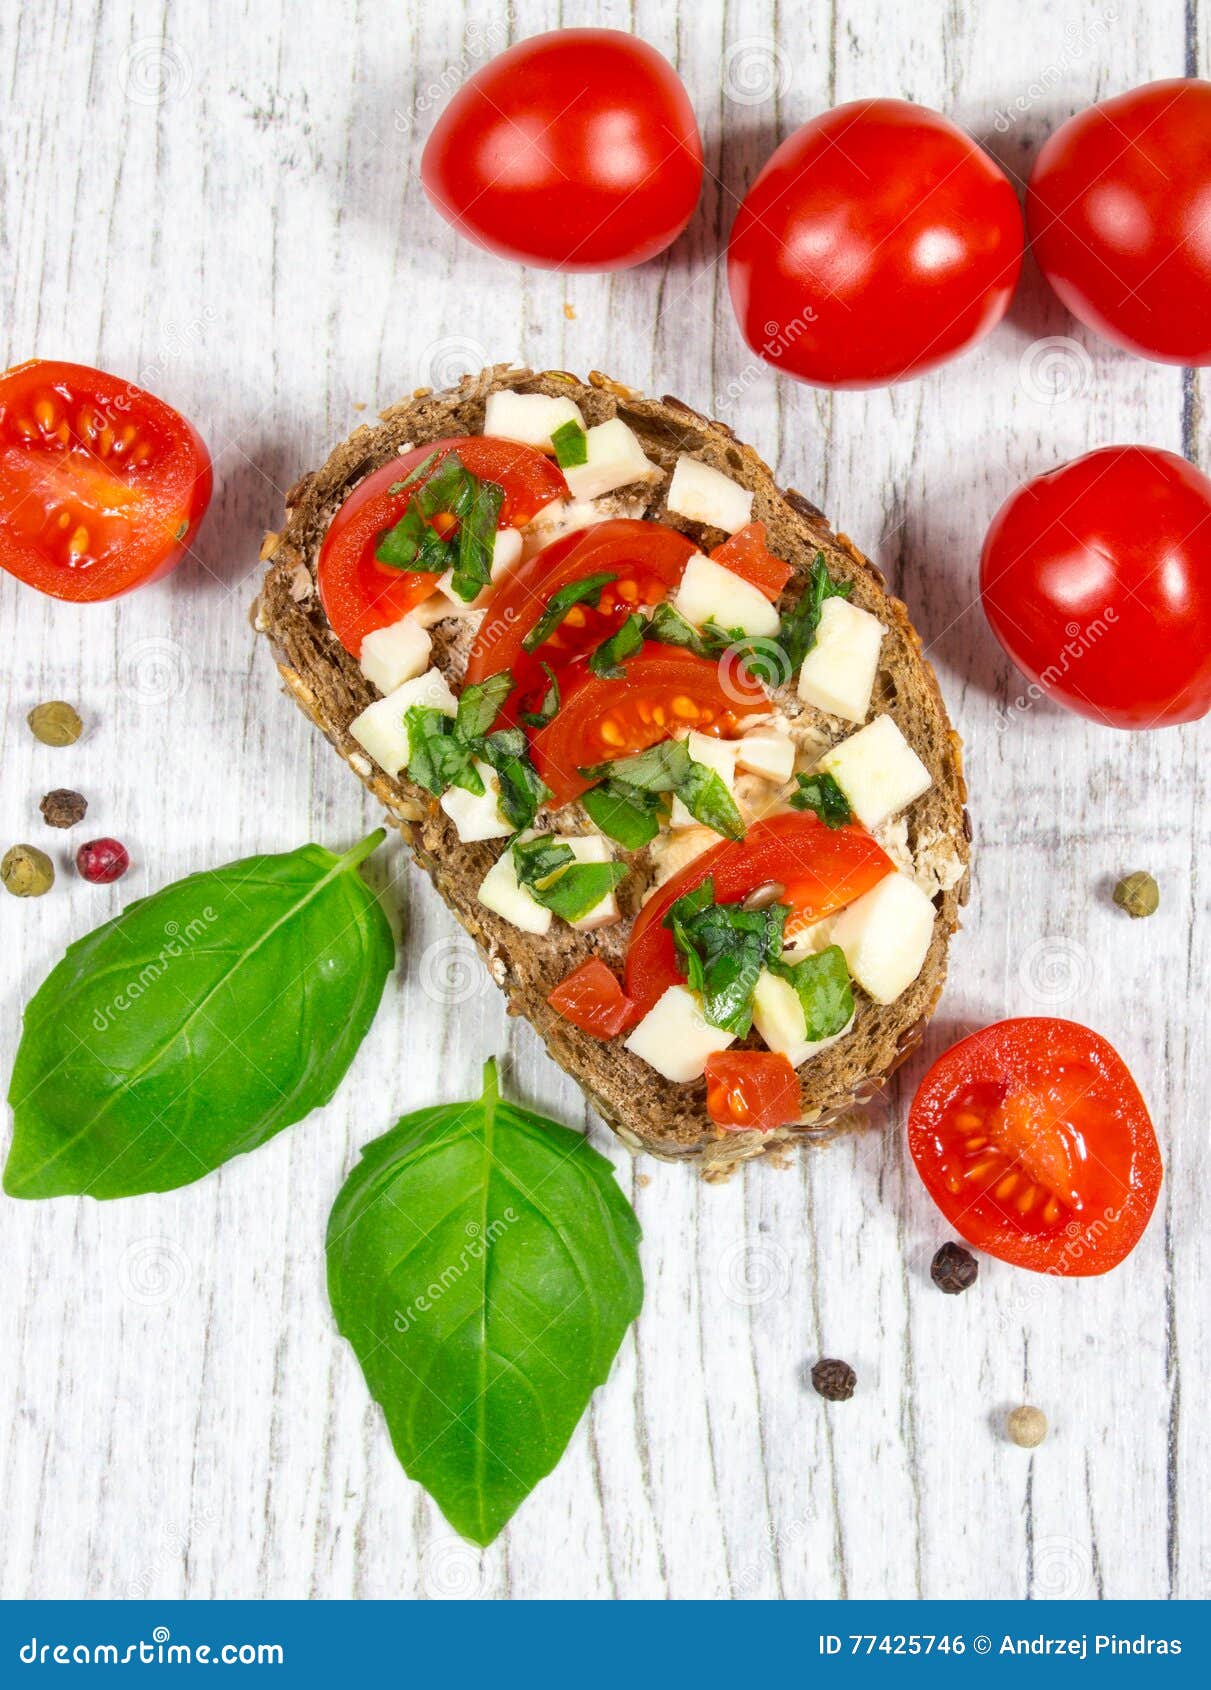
<point x="221" y="202"/>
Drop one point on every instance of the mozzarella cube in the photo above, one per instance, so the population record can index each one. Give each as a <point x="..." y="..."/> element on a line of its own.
<point x="710" y="593"/>
<point x="676" y="1038"/>
<point x="616" y="459"/>
<point x="390" y="656"/>
<point x="838" y="673"/>
<point x="885" y="935"/>
<point x="592" y="848"/>
<point x="503" y="893"/>
<point x="778" y="1017"/>
<point x="877" y="770"/>
<point x="531" y="418"/>
<point x="506" y="553"/>
<point x="380" y="728"/>
<point x="707" y="495"/>
<point x="717" y="754"/>
<point x="477" y="815"/>
<point x="768" y="753"/>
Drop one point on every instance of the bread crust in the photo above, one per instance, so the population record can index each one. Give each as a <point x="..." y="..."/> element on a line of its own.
<point x="646" y="1111"/>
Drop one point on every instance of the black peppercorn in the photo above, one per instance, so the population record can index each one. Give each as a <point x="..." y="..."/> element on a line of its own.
<point x="63" y="807"/>
<point x="954" y="1269"/>
<point x="834" y="1380"/>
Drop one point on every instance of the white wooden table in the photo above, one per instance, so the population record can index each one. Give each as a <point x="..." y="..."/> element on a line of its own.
<point x="219" y="199"/>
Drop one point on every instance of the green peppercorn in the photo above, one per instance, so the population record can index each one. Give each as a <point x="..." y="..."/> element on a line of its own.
<point x="26" y="871"/>
<point x="55" y="723"/>
<point x="1138" y="894"/>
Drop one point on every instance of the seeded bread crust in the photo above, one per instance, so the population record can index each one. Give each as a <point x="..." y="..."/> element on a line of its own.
<point x="646" y="1111"/>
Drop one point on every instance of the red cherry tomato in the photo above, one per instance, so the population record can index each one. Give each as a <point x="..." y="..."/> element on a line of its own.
<point x="1096" y="579"/>
<point x="101" y="485"/>
<point x="360" y="594"/>
<point x="576" y="150"/>
<point x="663" y="688"/>
<point x="747" y="555"/>
<point x="647" y="560"/>
<point x="1118" y="210"/>
<point x="1033" y="1140"/>
<point x="820" y="868"/>
<point x="878" y="241"/>
<point x="751" y="1090"/>
<point x="591" y="999"/>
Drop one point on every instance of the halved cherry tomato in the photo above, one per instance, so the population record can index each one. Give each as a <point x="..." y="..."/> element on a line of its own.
<point x="647" y="560"/>
<point x="1033" y="1140"/>
<point x="591" y="999"/>
<point x="751" y="1090"/>
<point x="360" y="594"/>
<point x="663" y="688"/>
<point x="747" y="555"/>
<point x="821" y="869"/>
<point x="101" y="484"/>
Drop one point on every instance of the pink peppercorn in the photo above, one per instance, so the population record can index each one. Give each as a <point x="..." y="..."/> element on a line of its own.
<point x="102" y="860"/>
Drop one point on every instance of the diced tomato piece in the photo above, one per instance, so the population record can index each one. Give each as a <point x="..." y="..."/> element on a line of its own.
<point x="751" y="1090"/>
<point x="591" y="998"/>
<point x="747" y="555"/>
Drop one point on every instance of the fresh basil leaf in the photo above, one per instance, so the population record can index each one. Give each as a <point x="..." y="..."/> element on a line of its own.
<point x="576" y="592"/>
<point x="484" y="1265"/>
<point x="414" y="475"/>
<point x="624" y="813"/>
<point x="411" y="544"/>
<point x="448" y="488"/>
<point x="722" y="949"/>
<point x="521" y="791"/>
<point x="571" y="444"/>
<point x="196" y="1025"/>
<point x="708" y="800"/>
<point x="478" y="515"/>
<point x="822" y="794"/>
<point x="481" y="703"/>
<point x="538" y="859"/>
<point x="822" y="982"/>
<point x="548" y="868"/>
<point x="797" y="634"/>
<point x="438" y="758"/>
<point x="661" y="768"/>
<point x="548" y="708"/>
<point x="626" y="640"/>
<point x="668" y="626"/>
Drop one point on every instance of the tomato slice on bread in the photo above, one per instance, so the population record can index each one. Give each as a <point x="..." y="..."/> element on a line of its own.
<point x="1033" y="1140"/>
<point x="102" y="485"/>
<point x="360" y="594"/>
<point x="662" y="688"/>
<point x="751" y="1090"/>
<point x="591" y="999"/>
<point x="819" y="870"/>
<point x="747" y="555"/>
<point x="647" y="560"/>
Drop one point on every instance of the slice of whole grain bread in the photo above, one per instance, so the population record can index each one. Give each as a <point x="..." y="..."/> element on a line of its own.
<point x="646" y="1111"/>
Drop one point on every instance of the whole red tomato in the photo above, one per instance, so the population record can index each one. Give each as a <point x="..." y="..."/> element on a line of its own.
<point x="576" y="150"/>
<point x="878" y="241"/>
<point x="1119" y="209"/>
<point x="1096" y="579"/>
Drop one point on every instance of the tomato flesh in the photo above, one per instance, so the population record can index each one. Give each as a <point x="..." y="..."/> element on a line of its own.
<point x="1033" y="1140"/>
<point x="821" y="869"/>
<point x="591" y="998"/>
<point x="747" y="555"/>
<point x="360" y="594"/>
<point x="102" y="486"/>
<point x="751" y="1090"/>
<point x="663" y="688"/>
